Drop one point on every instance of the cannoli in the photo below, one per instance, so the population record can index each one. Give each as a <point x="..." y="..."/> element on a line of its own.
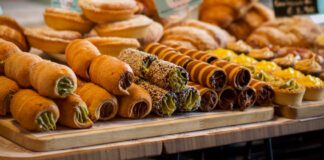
<point x="198" y="55"/>
<point x="138" y="104"/>
<point x="112" y="74"/>
<point x="34" y="112"/>
<point x="101" y="104"/>
<point x="246" y="98"/>
<point x="227" y="98"/>
<point x="79" y="54"/>
<point x="264" y="91"/>
<point x="7" y="90"/>
<point x="188" y="99"/>
<point x="52" y="80"/>
<point x="209" y="97"/>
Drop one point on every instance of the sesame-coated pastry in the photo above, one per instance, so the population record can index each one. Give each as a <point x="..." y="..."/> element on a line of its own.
<point x="209" y="97"/>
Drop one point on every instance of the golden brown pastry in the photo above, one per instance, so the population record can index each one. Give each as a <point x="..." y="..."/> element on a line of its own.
<point x="136" y="27"/>
<point x="138" y="104"/>
<point x="209" y="97"/>
<point x="224" y="16"/>
<point x="7" y="90"/>
<point x="257" y="15"/>
<point x="73" y="112"/>
<point x="227" y="97"/>
<point x="112" y="74"/>
<point x="264" y="91"/>
<point x="8" y="21"/>
<point x="79" y="54"/>
<point x="52" y="80"/>
<point x="240" y="29"/>
<point x="314" y="87"/>
<point x="154" y="34"/>
<point x="101" y="11"/>
<point x="113" y="45"/>
<point x="286" y="61"/>
<point x="179" y="43"/>
<point x="6" y="49"/>
<point x="246" y="98"/>
<point x="309" y="66"/>
<point x="18" y="67"/>
<point x="288" y="93"/>
<point x="197" y="55"/>
<point x="101" y="104"/>
<point x="61" y="19"/>
<point x="14" y="36"/>
<point x="34" y="112"/>
<point x="261" y="54"/>
<point x="239" y="47"/>
<point x="49" y="40"/>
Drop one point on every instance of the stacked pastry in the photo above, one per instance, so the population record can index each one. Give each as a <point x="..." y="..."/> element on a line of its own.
<point x="194" y="34"/>
<point x="212" y="75"/>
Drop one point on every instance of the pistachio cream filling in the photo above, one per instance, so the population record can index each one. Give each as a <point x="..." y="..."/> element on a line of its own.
<point x="168" y="105"/>
<point x="146" y="63"/>
<point x="81" y="114"/>
<point x="46" y="121"/>
<point x="177" y="79"/>
<point x="191" y="101"/>
<point x="65" y="86"/>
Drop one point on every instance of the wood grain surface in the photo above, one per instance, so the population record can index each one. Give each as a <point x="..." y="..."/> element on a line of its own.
<point x="306" y="110"/>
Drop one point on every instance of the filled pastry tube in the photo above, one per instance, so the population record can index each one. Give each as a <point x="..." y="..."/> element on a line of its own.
<point x="52" y="80"/>
<point x="73" y="112"/>
<point x="188" y="99"/>
<point x="209" y="97"/>
<point x="18" y="67"/>
<point x="238" y="76"/>
<point x="246" y="98"/>
<point x="207" y="75"/>
<point x="227" y="98"/>
<point x="7" y="90"/>
<point x="6" y="49"/>
<point x="138" y="61"/>
<point x="138" y="104"/>
<point x="163" y="101"/>
<point x="167" y="75"/>
<point x="79" y="54"/>
<point x="168" y="54"/>
<point x="101" y="104"/>
<point x="34" y="112"/>
<point x="197" y="55"/>
<point x="264" y="91"/>
<point x="112" y="74"/>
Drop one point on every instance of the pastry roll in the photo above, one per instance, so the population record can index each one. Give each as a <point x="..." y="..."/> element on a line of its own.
<point x="167" y="75"/>
<point x="238" y="76"/>
<point x="198" y="55"/>
<point x="101" y="104"/>
<point x="138" y="61"/>
<point x="188" y="99"/>
<point x="73" y="112"/>
<point x="207" y="75"/>
<point x="227" y="98"/>
<point x="246" y="98"/>
<point x="34" y="112"/>
<point x="18" y="67"/>
<point x="7" y="90"/>
<point x="209" y="97"/>
<point x="79" y="54"/>
<point x="8" y="21"/>
<point x="10" y="34"/>
<point x="138" y="104"/>
<point x="6" y="49"/>
<point x="264" y="91"/>
<point x="179" y="43"/>
<point x="52" y="80"/>
<point x="112" y="74"/>
<point x="163" y="101"/>
<point x="168" y="54"/>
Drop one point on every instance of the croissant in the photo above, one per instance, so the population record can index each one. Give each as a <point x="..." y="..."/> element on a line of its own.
<point x="6" y="49"/>
<point x="101" y="104"/>
<point x="138" y="104"/>
<point x="18" y="67"/>
<point x="7" y="90"/>
<point x="112" y="74"/>
<point x="73" y="112"/>
<point x="34" y="112"/>
<point x="52" y="80"/>
<point x="79" y="55"/>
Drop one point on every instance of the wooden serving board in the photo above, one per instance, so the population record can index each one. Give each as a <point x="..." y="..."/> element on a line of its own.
<point x="123" y="129"/>
<point x="306" y="110"/>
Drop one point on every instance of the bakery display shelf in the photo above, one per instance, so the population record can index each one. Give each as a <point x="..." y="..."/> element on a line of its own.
<point x="306" y="110"/>
<point x="122" y="130"/>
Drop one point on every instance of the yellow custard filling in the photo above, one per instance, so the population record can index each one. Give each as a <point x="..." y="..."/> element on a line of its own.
<point x="244" y="60"/>
<point x="288" y="73"/>
<point x="268" y="67"/>
<point x="223" y="53"/>
<point x="309" y="81"/>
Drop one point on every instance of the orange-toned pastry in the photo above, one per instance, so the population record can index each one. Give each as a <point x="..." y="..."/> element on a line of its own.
<point x="288" y="93"/>
<point x="49" y="40"/>
<point x="153" y="34"/>
<point x="112" y="74"/>
<point x="224" y="16"/>
<point x="209" y="97"/>
<point x="136" y="27"/>
<point x="138" y="104"/>
<point x="73" y="112"/>
<point x="34" y="112"/>
<point x="52" y="80"/>
<point x="61" y="19"/>
<point x="267" y="66"/>
<point x="239" y="47"/>
<point x="264" y="92"/>
<point x="198" y="55"/>
<point x="179" y="43"/>
<point x="8" y="21"/>
<point x="244" y="60"/>
<point x="227" y="97"/>
<point x="246" y="98"/>
<point x="314" y="87"/>
<point x="240" y="29"/>
<point x="288" y="73"/>
<point x="14" y="36"/>
<point x="100" y="11"/>
<point x="223" y="54"/>
<point x="286" y="61"/>
<point x="7" y="90"/>
<point x="79" y="54"/>
<point x="18" y="67"/>
<point x="113" y="45"/>
<point x="261" y="54"/>
<point x="6" y="49"/>
<point x="198" y="37"/>
<point x="101" y="104"/>
<point x="308" y="66"/>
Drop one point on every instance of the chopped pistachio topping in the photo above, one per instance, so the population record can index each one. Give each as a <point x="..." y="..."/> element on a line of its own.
<point x="291" y="85"/>
<point x="168" y="105"/>
<point x="177" y="80"/>
<point x="65" y="86"/>
<point x="46" y="121"/>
